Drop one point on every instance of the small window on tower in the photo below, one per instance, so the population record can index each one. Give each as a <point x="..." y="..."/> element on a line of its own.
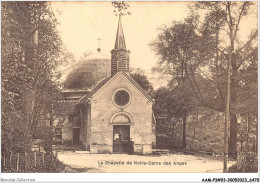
<point x="121" y="98"/>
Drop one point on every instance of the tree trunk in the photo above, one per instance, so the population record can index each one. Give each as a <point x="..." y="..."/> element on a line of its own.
<point x="29" y="95"/>
<point x="256" y="135"/>
<point x="231" y="92"/>
<point x="232" y="146"/>
<point x="227" y="116"/>
<point x="227" y="111"/>
<point x="234" y="86"/>
<point x="184" y="132"/>
<point x="195" y="125"/>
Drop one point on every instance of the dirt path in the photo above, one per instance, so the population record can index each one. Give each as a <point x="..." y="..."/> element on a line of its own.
<point x="83" y="162"/>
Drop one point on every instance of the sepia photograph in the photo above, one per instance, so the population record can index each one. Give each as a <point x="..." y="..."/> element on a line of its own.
<point x="129" y="87"/>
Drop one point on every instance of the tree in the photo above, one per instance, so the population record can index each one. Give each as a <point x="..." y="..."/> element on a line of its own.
<point x="140" y="77"/>
<point x="121" y="8"/>
<point x="180" y="48"/>
<point x="176" y="102"/>
<point x="30" y="55"/>
<point x="231" y="54"/>
<point x="160" y="108"/>
<point x="209" y="42"/>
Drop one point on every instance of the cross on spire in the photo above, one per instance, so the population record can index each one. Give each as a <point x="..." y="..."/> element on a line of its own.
<point x="99" y="44"/>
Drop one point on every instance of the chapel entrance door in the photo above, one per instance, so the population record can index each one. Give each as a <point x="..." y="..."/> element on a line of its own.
<point x="76" y="133"/>
<point x="121" y="137"/>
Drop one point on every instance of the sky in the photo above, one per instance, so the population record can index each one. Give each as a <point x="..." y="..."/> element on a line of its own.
<point x="81" y="24"/>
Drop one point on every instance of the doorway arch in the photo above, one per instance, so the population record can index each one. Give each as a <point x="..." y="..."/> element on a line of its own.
<point x="121" y="123"/>
<point x="121" y="118"/>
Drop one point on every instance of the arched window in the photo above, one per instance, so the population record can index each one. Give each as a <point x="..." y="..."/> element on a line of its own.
<point x="121" y="119"/>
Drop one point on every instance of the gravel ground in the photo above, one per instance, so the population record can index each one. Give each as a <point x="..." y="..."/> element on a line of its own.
<point x="79" y="162"/>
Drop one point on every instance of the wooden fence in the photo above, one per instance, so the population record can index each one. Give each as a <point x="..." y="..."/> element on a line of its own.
<point x="29" y="162"/>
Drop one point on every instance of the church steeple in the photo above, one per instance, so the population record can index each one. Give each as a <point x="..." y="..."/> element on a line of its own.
<point x="119" y="55"/>
<point x="120" y="39"/>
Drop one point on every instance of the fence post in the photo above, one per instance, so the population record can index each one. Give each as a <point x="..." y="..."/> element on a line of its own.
<point x="56" y="154"/>
<point x="10" y="160"/>
<point x="25" y="161"/>
<point x="51" y="157"/>
<point x="17" y="163"/>
<point x="35" y="159"/>
<point x="4" y="159"/>
<point x="43" y="159"/>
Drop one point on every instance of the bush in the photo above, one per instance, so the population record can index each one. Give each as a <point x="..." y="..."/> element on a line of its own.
<point x="246" y="162"/>
<point x="27" y="164"/>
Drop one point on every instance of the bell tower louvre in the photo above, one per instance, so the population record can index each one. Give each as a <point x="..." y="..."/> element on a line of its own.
<point x="119" y="55"/>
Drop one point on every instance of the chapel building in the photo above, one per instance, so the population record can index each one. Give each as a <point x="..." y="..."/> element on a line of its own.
<point x="116" y="110"/>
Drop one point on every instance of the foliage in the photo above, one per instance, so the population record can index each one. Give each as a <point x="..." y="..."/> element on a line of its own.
<point x="241" y="55"/>
<point x="183" y="55"/>
<point x="31" y="48"/>
<point x="121" y="8"/>
<point x="179" y="48"/>
<point x="247" y="162"/>
<point x="198" y="49"/>
<point x="175" y="102"/>
<point x="48" y="164"/>
<point x="140" y="77"/>
<point x="224" y="34"/>
<point x="15" y="133"/>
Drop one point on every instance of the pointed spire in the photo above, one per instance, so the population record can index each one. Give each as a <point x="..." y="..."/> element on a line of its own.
<point x="120" y="39"/>
<point x="119" y="55"/>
